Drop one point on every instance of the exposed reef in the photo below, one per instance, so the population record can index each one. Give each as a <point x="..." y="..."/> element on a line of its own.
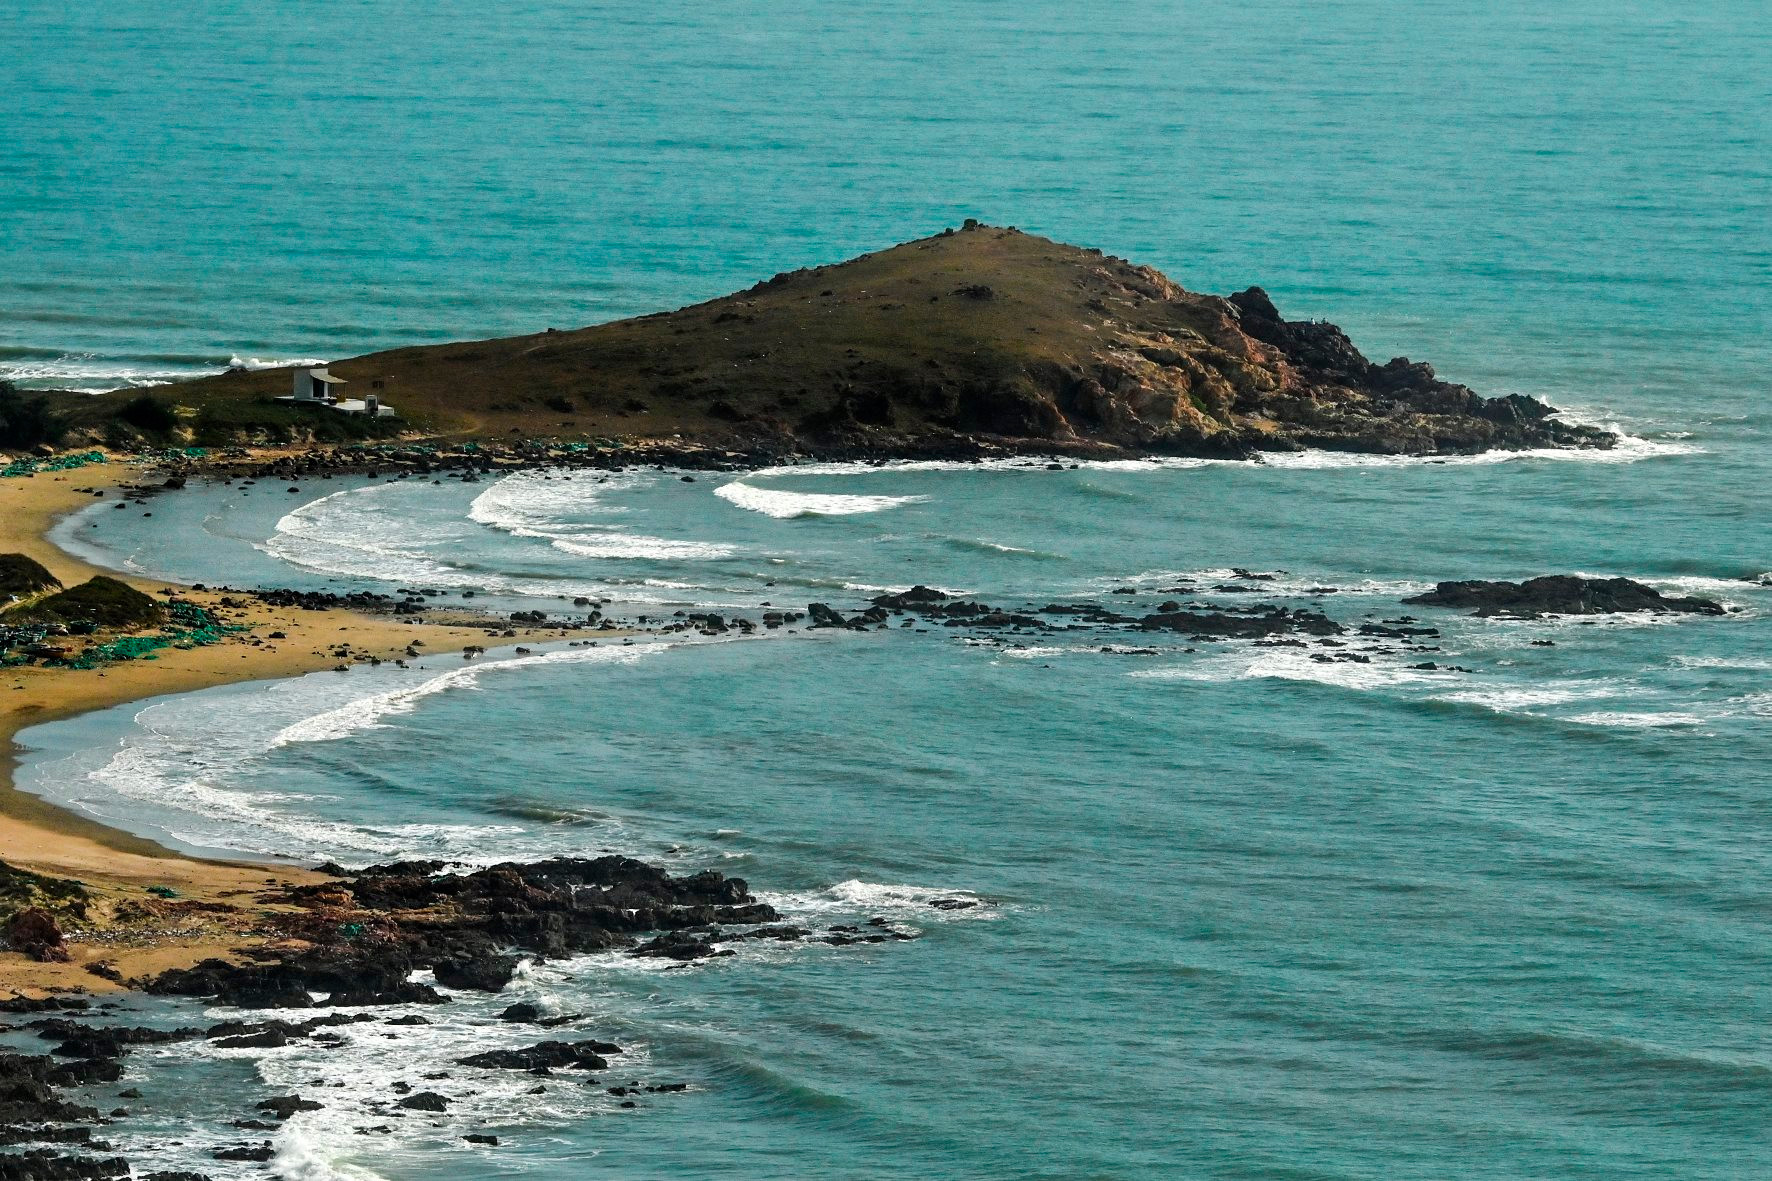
<point x="1562" y="594"/>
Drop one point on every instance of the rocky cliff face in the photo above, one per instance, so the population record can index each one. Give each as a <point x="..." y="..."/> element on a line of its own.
<point x="983" y="331"/>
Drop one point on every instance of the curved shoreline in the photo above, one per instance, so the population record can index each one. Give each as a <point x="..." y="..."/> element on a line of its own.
<point x="112" y="863"/>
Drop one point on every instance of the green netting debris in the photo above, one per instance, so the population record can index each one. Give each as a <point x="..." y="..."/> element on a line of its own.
<point x="31" y="465"/>
<point x="190" y="626"/>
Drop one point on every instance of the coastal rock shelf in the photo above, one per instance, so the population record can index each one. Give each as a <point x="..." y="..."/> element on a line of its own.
<point x="355" y="943"/>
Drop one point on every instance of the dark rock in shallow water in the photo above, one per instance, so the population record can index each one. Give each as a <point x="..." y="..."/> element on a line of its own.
<point x="424" y="1101"/>
<point x="917" y="596"/>
<point x="483" y="973"/>
<point x="246" y="1152"/>
<point x="410" y="916"/>
<point x="44" y="1165"/>
<point x="1561" y="594"/>
<point x="48" y="1004"/>
<point x="823" y="616"/>
<point x="586" y="1055"/>
<point x="284" y="1106"/>
<point x="680" y="945"/>
<point x="1278" y="621"/>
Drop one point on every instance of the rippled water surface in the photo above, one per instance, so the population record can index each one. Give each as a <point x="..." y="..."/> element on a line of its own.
<point x="1243" y="914"/>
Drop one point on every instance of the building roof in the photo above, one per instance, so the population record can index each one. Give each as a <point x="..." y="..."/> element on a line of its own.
<point x="322" y="375"/>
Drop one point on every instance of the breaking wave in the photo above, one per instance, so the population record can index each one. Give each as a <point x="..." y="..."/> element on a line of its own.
<point x="784" y="505"/>
<point x="542" y="506"/>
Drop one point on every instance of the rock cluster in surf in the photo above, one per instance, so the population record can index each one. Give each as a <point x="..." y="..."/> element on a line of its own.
<point x="354" y="945"/>
<point x="1562" y="594"/>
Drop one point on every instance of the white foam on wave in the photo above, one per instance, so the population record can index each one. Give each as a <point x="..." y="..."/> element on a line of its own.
<point x="856" y="898"/>
<point x="299" y="1155"/>
<point x="1639" y="721"/>
<point x="256" y="363"/>
<point x="544" y="506"/>
<point x="1701" y="584"/>
<point x="94" y="373"/>
<point x="784" y="505"/>
<point x="1526" y="698"/>
<point x="1295" y="664"/>
<point x="613" y="545"/>
<point x="1629" y="449"/>
<point x="368" y="712"/>
<point x="1281" y="585"/>
<point x="1749" y="706"/>
<point x="193" y="775"/>
<point x="361" y="1075"/>
<point x="1743" y="663"/>
<point x="539" y="500"/>
<point x="351" y="532"/>
<point x="192" y="770"/>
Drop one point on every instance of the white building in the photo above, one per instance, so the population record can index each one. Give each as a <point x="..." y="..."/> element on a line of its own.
<point x="317" y="387"/>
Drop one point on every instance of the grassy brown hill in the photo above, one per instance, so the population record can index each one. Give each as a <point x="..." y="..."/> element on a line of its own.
<point x="984" y="331"/>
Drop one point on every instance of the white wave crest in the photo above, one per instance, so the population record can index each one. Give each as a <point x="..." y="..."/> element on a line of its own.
<point x="1724" y="662"/>
<point x="1516" y="698"/>
<point x="614" y="545"/>
<point x="255" y="363"/>
<point x="1295" y="664"/>
<point x="368" y="712"/>
<point x="784" y="505"/>
<point x="544" y="506"/>
<point x="1629" y="449"/>
<point x="1639" y="721"/>
<point x="351" y="532"/>
<point x="1282" y="585"/>
<point x="865" y="899"/>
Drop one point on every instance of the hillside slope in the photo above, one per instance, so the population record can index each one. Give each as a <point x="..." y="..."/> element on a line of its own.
<point x="983" y="331"/>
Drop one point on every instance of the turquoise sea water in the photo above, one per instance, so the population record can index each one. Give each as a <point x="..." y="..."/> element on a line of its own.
<point x="1244" y="914"/>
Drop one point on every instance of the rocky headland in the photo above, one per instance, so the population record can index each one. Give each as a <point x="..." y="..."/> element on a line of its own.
<point x="983" y="336"/>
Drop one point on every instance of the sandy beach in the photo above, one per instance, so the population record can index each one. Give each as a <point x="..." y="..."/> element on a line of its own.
<point x="116" y="867"/>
